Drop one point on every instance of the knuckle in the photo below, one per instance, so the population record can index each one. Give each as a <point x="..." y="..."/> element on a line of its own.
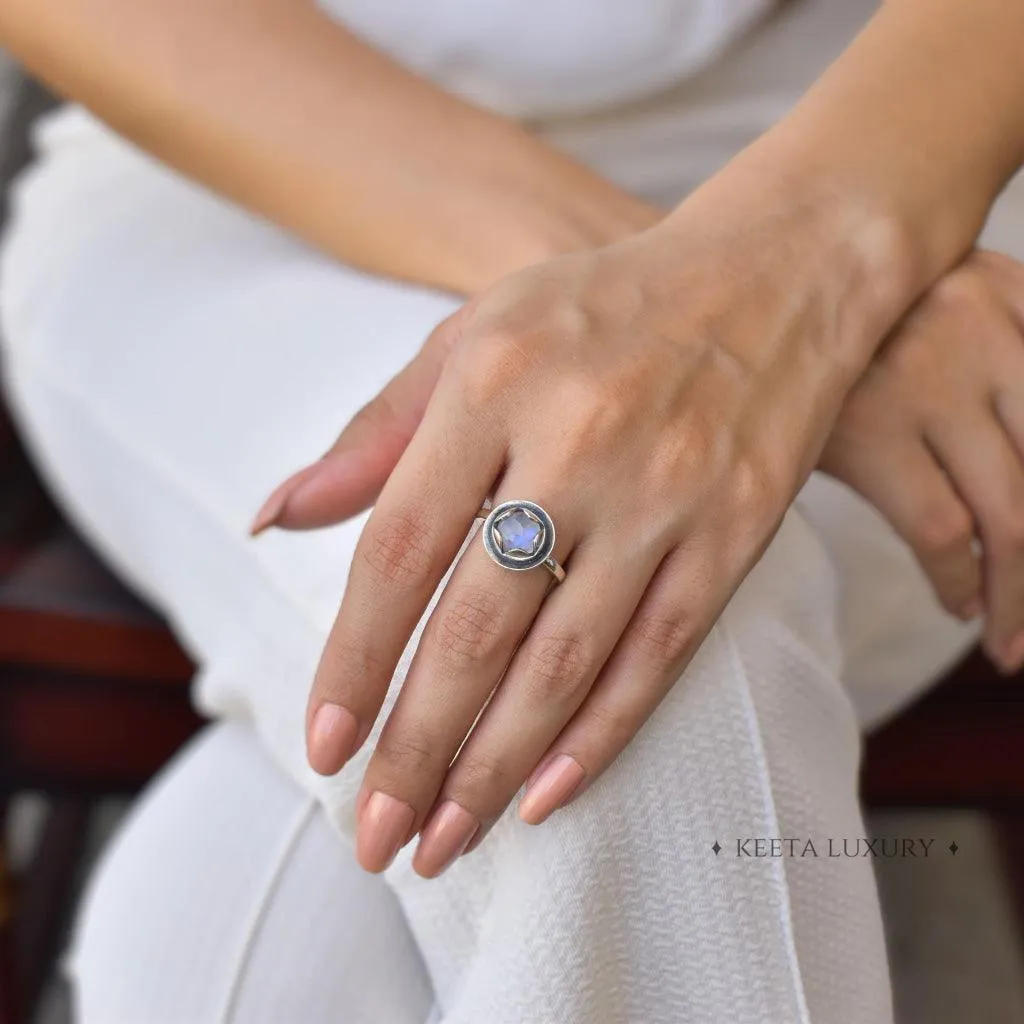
<point x="486" y="363"/>
<point x="943" y="530"/>
<point x="960" y="288"/>
<point x="614" y="725"/>
<point x="558" y="666"/>
<point x="398" y="551"/>
<point x="469" y="627"/>
<point x="413" y="756"/>
<point x="755" y="491"/>
<point x="594" y="413"/>
<point x="679" y="462"/>
<point x="664" y="638"/>
<point x="345" y="659"/>
<point x="479" y="780"/>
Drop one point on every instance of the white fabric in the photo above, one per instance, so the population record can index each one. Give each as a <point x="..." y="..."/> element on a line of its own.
<point x="170" y="359"/>
<point x="537" y="57"/>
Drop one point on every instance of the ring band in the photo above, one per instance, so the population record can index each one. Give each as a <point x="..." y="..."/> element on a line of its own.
<point x="520" y="535"/>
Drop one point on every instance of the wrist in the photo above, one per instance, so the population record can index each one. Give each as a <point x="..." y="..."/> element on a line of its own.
<point x="540" y="216"/>
<point x="840" y="257"/>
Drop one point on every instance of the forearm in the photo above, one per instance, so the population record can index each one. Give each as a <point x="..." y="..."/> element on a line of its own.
<point x="280" y="109"/>
<point x="899" y="150"/>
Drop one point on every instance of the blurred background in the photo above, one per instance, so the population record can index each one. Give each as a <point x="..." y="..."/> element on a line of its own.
<point x="93" y="699"/>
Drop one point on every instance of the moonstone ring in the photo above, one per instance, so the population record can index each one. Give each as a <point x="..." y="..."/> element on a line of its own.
<point x="520" y="535"/>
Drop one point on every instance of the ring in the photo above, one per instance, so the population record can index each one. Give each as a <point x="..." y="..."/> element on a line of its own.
<point x="520" y="535"/>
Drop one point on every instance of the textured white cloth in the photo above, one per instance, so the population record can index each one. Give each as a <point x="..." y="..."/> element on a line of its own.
<point x="171" y="359"/>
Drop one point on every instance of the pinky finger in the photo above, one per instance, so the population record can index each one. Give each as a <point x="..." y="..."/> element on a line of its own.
<point x="650" y="656"/>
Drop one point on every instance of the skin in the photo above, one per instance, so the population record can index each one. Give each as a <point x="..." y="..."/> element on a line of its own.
<point x="933" y="436"/>
<point x="693" y="366"/>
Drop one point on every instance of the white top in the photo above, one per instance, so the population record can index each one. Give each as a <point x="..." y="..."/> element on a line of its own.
<point x="538" y="57"/>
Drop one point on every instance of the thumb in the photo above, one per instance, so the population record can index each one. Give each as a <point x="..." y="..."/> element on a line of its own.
<point x="349" y="477"/>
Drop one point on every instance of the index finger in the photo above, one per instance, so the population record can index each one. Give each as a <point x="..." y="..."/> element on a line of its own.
<point x="421" y="519"/>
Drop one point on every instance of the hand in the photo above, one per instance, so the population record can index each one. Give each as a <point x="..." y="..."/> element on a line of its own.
<point x="663" y="398"/>
<point x="348" y="478"/>
<point x="933" y="436"/>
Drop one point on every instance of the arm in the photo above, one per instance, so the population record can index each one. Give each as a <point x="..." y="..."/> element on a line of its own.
<point x="279" y="108"/>
<point x="900" y="149"/>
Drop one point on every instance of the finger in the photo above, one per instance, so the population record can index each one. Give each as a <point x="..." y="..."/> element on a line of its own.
<point x="349" y="477"/>
<point x="908" y="487"/>
<point x="990" y="476"/>
<point x="465" y="647"/>
<point x="1007" y="274"/>
<point x="422" y="518"/>
<point x="549" y="676"/>
<point x="1009" y="407"/>
<point x="661" y="637"/>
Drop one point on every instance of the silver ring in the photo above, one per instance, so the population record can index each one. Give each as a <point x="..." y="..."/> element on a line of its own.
<point x="520" y="535"/>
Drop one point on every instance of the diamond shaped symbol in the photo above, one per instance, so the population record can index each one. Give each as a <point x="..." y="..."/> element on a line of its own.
<point x="519" y="532"/>
<point x="953" y="847"/>
<point x="717" y="848"/>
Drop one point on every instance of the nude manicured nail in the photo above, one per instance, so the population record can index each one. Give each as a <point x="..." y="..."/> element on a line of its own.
<point x="333" y="734"/>
<point x="271" y="510"/>
<point x="447" y="834"/>
<point x="551" y="788"/>
<point x="383" y="831"/>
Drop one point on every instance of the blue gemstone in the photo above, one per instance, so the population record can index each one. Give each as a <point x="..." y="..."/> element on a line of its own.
<point x="519" y="533"/>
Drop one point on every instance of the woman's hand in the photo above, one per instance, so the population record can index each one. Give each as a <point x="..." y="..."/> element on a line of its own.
<point x="663" y="398"/>
<point x="933" y="436"/>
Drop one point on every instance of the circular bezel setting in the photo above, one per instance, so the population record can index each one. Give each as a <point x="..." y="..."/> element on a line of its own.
<point x="518" y="535"/>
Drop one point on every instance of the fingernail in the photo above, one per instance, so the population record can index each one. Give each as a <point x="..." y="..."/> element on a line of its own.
<point x="445" y="837"/>
<point x="972" y="609"/>
<point x="1014" y="654"/>
<point x="271" y="510"/>
<point x="332" y="738"/>
<point x="383" y="831"/>
<point x="550" y="789"/>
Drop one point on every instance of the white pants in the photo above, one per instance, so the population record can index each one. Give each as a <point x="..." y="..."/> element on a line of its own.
<point x="170" y="359"/>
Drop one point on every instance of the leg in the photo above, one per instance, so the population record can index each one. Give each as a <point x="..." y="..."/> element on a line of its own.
<point x="227" y="898"/>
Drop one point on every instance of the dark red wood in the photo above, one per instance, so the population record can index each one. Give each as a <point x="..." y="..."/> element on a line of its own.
<point x="90" y="733"/>
<point x="92" y="646"/>
<point x="961" y="745"/>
